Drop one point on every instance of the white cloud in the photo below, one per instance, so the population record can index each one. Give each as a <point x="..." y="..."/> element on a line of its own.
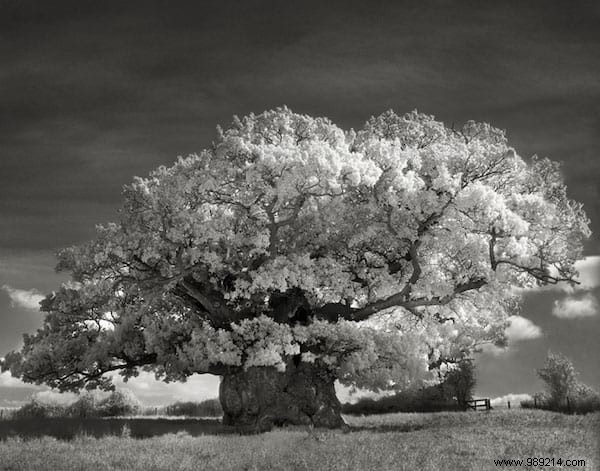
<point x="29" y="299"/>
<point x="521" y="328"/>
<point x="515" y="400"/>
<point x="351" y="394"/>
<point x="8" y="381"/>
<point x="572" y="307"/>
<point x="589" y="272"/>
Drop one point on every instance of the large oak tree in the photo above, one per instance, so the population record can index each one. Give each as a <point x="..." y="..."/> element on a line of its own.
<point x="292" y="254"/>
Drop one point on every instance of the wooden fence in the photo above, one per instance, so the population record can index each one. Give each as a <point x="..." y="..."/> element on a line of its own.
<point x="478" y="404"/>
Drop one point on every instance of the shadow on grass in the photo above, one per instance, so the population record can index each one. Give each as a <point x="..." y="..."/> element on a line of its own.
<point x="387" y="428"/>
<point x="69" y="428"/>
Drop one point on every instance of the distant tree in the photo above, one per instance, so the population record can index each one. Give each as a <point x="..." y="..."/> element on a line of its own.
<point x="560" y="377"/>
<point x="291" y="254"/>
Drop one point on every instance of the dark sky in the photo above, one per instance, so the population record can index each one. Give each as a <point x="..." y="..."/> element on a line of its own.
<point x="93" y="93"/>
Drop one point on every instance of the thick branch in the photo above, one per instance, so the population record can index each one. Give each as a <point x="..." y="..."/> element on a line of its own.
<point x="211" y="301"/>
<point x="77" y="378"/>
<point x="398" y="300"/>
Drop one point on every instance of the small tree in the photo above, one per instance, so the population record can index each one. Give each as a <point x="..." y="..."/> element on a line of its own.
<point x="560" y="377"/>
<point x="292" y="254"/>
<point x="460" y="381"/>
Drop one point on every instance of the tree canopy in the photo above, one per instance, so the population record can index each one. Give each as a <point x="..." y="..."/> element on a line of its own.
<point x="381" y="254"/>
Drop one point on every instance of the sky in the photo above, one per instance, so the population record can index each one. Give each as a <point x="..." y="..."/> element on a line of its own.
<point x="94" y="93"/>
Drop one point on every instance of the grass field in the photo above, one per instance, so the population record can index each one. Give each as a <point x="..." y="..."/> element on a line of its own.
<point x="436" y="441"/>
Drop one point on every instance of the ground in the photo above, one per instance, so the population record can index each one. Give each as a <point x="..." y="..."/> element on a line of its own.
<point x="439" y="441"/>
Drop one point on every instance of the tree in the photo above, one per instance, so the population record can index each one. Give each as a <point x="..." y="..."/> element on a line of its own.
<point x="460" y="381"/>
<point x="291" y="254"/>
<point x="560" y="377"/>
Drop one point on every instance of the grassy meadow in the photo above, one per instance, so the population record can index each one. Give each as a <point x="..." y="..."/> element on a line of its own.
<point x="434" y="441"/>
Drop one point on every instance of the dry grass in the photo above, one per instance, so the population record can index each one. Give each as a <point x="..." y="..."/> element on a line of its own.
<point x="439" y="441"/>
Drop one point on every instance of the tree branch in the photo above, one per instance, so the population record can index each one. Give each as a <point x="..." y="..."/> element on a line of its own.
<point x="398" y="300"/>
<point x="539" y="273"/>
<point x="211" y="301"/>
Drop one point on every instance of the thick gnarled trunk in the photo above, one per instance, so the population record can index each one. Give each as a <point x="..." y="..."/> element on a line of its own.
<point x="257" y="399"/>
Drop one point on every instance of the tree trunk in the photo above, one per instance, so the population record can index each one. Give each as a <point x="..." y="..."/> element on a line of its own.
<point x="257" y="399"/>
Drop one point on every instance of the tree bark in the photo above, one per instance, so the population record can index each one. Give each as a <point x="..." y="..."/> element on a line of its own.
<point x="259" y="398"/>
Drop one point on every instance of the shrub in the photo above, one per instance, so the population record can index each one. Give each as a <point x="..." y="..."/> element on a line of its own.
<point x="540" y="400"/>
<point x="119" y="403"/>
<point x="207" y="408"/>
<point x="584" y="399"/>
<point x="430" y="399"/>
<point x="36" y="409"/>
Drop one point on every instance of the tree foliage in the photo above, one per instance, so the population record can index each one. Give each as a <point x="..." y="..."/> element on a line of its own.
<point x="379" y="254"/>
<point x="560" y="377"/>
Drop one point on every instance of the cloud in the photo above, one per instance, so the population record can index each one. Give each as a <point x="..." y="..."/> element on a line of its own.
<point x="352" y="394"/>
<point x="518" y="330"/>
<point x="521" y="328"/>
<point x="572" y="307"/>
<point x="8" y="381"/>
<point x="515" y="400"/>
<point x="589" y="272"/>
<point x="28" y="299"/>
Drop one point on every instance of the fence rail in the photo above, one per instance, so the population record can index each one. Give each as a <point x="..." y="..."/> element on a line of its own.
<point x="478" y="404"/>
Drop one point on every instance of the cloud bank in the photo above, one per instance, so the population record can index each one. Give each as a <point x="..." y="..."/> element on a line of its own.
<point x="28" y="299"/>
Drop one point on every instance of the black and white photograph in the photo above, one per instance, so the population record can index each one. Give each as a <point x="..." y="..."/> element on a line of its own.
<point x="299" y="235"/>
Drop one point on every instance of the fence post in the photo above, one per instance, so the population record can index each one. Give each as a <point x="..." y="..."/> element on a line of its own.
<point x="534" y="402"/>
